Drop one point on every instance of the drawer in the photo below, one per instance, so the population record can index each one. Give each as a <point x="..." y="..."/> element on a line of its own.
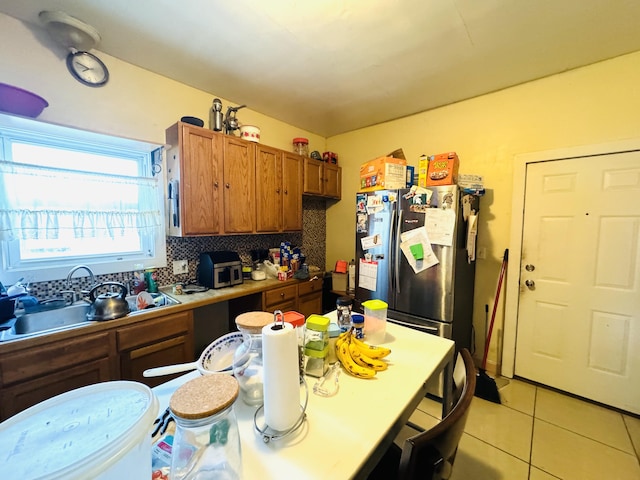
<point x="280" y="295"/>
<point x="307" y="287"/>
<point x="59" y="355"/>
<point x="154" y="330"/>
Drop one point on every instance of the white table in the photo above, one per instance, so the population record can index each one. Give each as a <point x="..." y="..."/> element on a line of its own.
<point x="343" y="435"/>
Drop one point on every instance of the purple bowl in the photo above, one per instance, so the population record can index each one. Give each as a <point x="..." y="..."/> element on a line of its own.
<point x="20" y="102"/>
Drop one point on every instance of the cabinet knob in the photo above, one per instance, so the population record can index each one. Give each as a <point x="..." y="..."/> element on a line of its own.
<point x="277" y="190"/>
<point x="282" y="294"/>
<point x="286" y="192"/>
<point x="215" y="184"/>
<point x="227" y="185"/>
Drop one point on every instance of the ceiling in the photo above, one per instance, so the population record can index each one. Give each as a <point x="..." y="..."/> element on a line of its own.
<point x="332" y="66"/>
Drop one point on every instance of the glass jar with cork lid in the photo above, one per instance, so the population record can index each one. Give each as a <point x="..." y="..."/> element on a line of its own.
<point x="206" y="443"/>
<point x="248" y="366"/>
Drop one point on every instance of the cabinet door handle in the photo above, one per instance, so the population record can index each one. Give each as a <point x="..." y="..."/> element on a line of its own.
<point x="215" y="184"/>
<point x="277" y="190"/>
<point x="282" y="294"/>
<point x="286" y="192"/>
<point x="227" y="185"/>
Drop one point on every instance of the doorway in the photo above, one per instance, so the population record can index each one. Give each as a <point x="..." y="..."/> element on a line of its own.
<point x="573" y="294"/>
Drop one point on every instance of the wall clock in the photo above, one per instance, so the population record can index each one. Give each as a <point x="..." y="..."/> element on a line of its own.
<point x="87" y="69"/>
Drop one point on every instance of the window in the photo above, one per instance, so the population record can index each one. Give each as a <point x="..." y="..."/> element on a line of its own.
<point x="70" y="197"/>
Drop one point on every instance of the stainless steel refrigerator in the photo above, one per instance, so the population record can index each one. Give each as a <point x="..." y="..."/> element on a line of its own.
<point x="436" y="298"/>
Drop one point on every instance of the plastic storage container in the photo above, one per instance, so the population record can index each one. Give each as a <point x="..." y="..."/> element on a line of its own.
<point x="316" y="345"/>
<point x="375" y="320"/>
<point x="206" y="443"/>
<point x="301" y="146"/>
<point x="100" y="432"/>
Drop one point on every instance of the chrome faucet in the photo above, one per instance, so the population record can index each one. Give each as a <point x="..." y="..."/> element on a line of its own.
<point x="92" y="281"/>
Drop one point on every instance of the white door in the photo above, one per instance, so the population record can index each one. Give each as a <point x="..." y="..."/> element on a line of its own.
<point x="579" y="306"/>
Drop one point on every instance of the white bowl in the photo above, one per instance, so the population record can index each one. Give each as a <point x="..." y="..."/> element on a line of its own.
<point x="218" y="356"/>
<point x="250" y="132"/>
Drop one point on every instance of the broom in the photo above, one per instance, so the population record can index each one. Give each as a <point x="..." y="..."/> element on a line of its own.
<point x="486" y="387"/>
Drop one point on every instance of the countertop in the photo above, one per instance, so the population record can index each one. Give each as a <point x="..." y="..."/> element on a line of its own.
<point x="350" y="429"/>
<point x="187" y="302"/>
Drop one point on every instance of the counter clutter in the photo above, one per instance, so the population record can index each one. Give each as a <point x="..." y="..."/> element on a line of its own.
<point x="333" y="425"/>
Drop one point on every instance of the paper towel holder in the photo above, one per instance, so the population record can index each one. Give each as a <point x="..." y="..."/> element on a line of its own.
<point x="269" y="433"/>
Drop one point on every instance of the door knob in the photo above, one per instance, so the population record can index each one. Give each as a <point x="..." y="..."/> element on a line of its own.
<point x="530" y="284"/>
<point x="529" y="267"/>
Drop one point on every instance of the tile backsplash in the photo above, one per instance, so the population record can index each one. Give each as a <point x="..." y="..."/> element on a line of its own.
<point x="312" y="241"/>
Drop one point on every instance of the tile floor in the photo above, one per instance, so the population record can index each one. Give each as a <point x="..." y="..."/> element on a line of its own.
<point x="539" y="434"/>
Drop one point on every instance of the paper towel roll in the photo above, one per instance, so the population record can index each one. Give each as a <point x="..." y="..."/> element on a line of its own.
<point x="281" y="376"/>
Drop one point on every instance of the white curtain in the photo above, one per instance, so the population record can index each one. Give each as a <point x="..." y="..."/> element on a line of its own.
<point x="41" y="202"/>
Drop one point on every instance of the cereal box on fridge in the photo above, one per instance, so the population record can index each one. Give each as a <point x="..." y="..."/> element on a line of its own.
<point x="442" y="169"/>
<point x="383" y="173"/>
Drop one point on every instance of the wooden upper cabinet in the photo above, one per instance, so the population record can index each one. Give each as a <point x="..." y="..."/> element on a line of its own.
<point x="239" y="186"/>
<point x="195" y="162"/>
<point x="291" y="192"/>
<point x="268" y="189"/>
<point x="332" y="181"/>
<point x="313" y="179"/>
<point x="321" y="178"/>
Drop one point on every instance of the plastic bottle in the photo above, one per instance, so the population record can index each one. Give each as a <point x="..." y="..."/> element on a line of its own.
<point x="343" y="311"/>
<point x="351" y="288"/>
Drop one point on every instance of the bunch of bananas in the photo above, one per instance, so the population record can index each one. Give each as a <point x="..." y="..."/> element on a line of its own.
<point x="359" y="358"/>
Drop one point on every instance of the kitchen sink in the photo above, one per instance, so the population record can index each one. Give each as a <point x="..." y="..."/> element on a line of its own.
<point x="29" y="323"/>
<point x="70" y="316"/>
<point x="159" y="300"/>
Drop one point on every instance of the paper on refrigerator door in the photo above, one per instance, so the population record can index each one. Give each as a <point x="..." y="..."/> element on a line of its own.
<point x="368" y="274"/>
<point x="372" y="241"/>
<point x="415" y="237"/>
<point x="440" y="224"/>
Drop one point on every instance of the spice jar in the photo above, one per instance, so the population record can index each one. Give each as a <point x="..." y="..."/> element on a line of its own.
<point x="301" y="146"/>
<point x="206" y="443"/>
<point x="343" y="310"/>
<point x="316" y="346"/>
<point x="248" y="366"/>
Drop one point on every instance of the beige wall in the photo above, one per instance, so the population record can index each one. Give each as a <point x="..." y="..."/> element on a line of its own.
<point x="595" y="104"/>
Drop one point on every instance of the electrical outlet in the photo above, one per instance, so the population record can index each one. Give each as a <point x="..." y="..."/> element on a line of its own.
<point x="180" y="267"/>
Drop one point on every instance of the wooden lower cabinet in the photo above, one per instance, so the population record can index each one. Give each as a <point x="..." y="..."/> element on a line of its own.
<point x="35" y="374"/>
<point x="310" y="297"/>
<point x="155" y="343"/>
<point x="304" y="297"/>
<point x="281" y="298"/>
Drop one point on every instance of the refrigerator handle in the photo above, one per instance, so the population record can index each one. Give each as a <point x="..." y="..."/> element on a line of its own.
<point x="397" y="252"/>
<point x="390" y="250"/>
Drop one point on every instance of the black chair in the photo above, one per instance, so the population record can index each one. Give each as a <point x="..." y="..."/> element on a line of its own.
<point x="430" y="454"/>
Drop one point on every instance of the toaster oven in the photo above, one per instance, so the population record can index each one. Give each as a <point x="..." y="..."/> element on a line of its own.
<point x="220" y="269"/>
